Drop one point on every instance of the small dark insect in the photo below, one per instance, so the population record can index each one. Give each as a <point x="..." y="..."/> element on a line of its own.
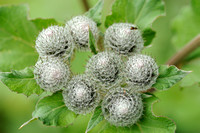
<point x="134" y="28"/>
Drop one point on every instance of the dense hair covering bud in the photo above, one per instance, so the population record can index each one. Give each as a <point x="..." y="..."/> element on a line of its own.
<point x="55" y="41"/>
<point x="122" y="107"/>
<point x="81" y="95"/>
<point x="80" y="26"/>
<point x="51" y="74"/>
<point x="124" y="38"/>
<point x="105" y="68"/>
<point x="141" y="72"/>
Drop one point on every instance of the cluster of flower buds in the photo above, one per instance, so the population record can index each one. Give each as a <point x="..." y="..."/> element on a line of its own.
<point x="116" y="76"/>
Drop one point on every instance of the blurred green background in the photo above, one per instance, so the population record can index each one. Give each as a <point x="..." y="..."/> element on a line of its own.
<point x="181" y="105"/>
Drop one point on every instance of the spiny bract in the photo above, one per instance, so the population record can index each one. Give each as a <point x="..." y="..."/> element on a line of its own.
<point x="121" y="107"/>
<point x="55" y="41"/>
<point x="105" y="68"/>
<point x="124" y="38"/>
<point x="81" y="95"/>
<point x="80" y="26"/>
<point x="51" y="74"/>
<point x="141" y="72"/>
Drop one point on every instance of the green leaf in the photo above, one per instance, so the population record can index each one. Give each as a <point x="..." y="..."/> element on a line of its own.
<point x="148" y="35"/>
<point x="17" y="37"/>
<point x="21" y="81"/>
<point x="92" y="42"/>
<point x="96" y="118"/>
<point x="140" y="12"/>
<point x="149" y="123"/>
<point x="52" y="111"/>
<point x="95" y="13"/>
<point x="168" y="76"/>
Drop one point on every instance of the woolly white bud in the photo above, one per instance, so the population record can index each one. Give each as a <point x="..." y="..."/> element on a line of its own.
<point x="141" y="72"/>
<point x="121" y="107"/>
<point x="81" y="95"/>
<point x="105" y="68"/>
<point x="124" y="38"/>
<point x="55" y="41"/>
<point x="80" y="26"/>
<point x="51" y="74"/>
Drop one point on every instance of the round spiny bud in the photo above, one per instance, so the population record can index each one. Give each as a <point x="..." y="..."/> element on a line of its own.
<point x="124" y="38"/>
<point x="81" y="95"/>
<point x="55" y="41"/>
<point x="105" y="68"/>
<point x="80" y="26"/>
<point x="51" y="74"/>
<point x="121" y="107"/>
<point x="141" y="72"/>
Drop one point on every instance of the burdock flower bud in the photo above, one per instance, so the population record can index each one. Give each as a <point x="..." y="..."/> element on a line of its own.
<point x="55" y="41"/>
<point x="141" y="72"/>
<point x="105" y="68"/>
<point x="124" y="38"/>
<point x="81" y="95"/>
<point x="121" y="107"/>
<point x="51" y="74"/>
<point x="80" y="26"/>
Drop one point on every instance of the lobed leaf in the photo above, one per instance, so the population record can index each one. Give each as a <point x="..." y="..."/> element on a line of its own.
<point x="52" y="111"/>
<point x="168" y="76"/>
<point x="95" y="13"/>
<point x="149" y="123"/>
<point x="21" y="81"/>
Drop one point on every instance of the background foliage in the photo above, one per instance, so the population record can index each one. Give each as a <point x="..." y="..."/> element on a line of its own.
<point x="181" y="102"/>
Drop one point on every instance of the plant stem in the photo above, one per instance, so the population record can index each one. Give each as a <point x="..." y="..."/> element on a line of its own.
<point x="86" y="5"/>
<point x="189" y="48"/>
